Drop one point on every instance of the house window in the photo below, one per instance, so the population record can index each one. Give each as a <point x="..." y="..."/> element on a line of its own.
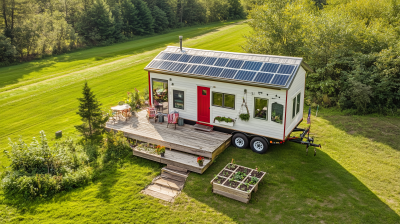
<point x="261" y="108"/>
<point x="223" y="100"/>
<point x="277" y="113"/>
<point x="178" y="99"/>
<point x="296" y="105"/>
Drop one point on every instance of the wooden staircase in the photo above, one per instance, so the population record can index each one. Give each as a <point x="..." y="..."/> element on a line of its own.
<point x="168" y="185"/>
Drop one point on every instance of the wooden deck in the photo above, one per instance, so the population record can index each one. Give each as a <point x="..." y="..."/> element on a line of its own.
<point x="184" y="139"/>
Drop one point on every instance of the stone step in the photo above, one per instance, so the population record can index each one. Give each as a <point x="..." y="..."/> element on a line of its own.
<point x="170" y="183"/>
<point x="175" y="172"/>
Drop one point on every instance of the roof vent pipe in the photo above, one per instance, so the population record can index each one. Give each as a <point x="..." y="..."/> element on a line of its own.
<point x="180" y="41"/>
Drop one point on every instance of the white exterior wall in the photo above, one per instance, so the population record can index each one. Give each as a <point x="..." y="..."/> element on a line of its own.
<point x="298" y="86"/>
<point x="265" y="128"/>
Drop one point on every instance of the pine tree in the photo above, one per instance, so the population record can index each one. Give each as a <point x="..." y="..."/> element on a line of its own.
<point x="160" y="19"/>
<point x="129" y="17"/>
<point x="118" y="22"/>
<point x="91" y="115"/>
<point x="145" y="19"/>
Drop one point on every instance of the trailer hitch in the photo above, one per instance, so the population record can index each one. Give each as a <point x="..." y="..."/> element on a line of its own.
<point x="309" y="141"/>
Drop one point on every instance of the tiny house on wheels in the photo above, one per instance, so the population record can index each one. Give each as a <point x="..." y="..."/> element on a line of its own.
<point x="256" y="98"/>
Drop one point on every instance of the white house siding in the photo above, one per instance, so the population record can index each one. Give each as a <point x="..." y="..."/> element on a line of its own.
<point x="266" y="128"/>
<point x="298" y="86"/>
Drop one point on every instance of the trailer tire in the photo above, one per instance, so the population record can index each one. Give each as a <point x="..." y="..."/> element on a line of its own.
<point x="259" y="145"/>
<point x="240" y="141"/>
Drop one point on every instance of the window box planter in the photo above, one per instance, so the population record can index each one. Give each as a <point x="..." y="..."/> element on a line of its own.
<point x="225" y="185"/>
<point x="224" y="123"/>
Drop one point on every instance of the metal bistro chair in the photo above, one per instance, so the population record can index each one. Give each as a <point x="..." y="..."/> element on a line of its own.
<point x="173" y="118"/>
<point x="151" y="114"/>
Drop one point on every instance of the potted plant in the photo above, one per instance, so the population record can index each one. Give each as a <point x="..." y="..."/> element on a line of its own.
<point x="224" y="120"/>
<point x="244" y="117"/>
<point x="161" y="150"/>
<point x="200" y="160"/>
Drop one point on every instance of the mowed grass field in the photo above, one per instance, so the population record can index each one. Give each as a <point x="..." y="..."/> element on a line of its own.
<point x="355" y="177"/>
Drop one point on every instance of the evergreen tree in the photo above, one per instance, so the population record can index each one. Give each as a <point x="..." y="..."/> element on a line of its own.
<point x="97" y="23"/>
<point x="129" y="17"/>
<point x="145" y="20"/>
<point x="118" y="22"/>
<point x="235" y="9"/>
<point x="91" y="115"/>
<point x="160" y="19"/>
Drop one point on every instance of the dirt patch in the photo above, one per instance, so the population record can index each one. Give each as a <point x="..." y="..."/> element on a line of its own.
<point x="232" y="184"/>
<point x="244" y="170"/>
<point x="225" y="173"/>
<point x="244" y="187"/>
<point x="257" y="174"/>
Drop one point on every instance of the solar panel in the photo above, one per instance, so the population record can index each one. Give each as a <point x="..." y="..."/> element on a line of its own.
<point x="163" y="56"/>
<point x="221" y="62"/>
<point x="269" y="67"/>
<point x="174" y="57"/>
<point x="263" y="77"/>
<point x="201" y="70"/>
<point x="252" y="65"/>
<point x="286" y="69"/>
<point x="186" y="68"/>
<point x="214" y="71"/>
<point x="209" y="61"/>
<point x="165" y="65"/>
<point x="228" y="73"/>
<point x="177" y="66"/>
<point x="245" y="75"/>
<point x="154" y="64"/>
<point x="280" y="79"/>
<point x="181" y="68"/>
<point x="235" y="63"/>
<point x="197" y="59"/>
<point x="191" y="69"/>
<point x="185" y="58"/>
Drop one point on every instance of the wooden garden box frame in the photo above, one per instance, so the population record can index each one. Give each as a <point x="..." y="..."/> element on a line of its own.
<point x="235" y="193"/>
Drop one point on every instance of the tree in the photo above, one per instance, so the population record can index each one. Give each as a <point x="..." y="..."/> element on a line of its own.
<point x="97" y="24"/>
<point x="145" y="22"/>
<point x="7" y="50"/>
<point x="91" y="115"/>
<point x="235" y="9"/>
<point x="118" y="22"/>
<point x="160" y="19"/>
<point x="129" y="17"/>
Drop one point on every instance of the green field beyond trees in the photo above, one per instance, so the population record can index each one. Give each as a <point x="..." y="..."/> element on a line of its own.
<point x="353" y="179"/>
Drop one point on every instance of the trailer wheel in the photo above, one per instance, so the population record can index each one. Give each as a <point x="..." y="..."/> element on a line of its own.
<point x="259" y="145"/>
<point x="240" y="141"/>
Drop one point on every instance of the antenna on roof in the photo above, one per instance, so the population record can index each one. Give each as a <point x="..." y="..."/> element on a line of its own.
<point x="180" y="41"/>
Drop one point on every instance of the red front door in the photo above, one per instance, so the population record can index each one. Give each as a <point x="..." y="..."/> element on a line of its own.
<point x="203" y="104"/>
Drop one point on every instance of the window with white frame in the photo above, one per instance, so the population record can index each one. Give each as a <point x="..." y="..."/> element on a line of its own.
<point x="296" y="105"/>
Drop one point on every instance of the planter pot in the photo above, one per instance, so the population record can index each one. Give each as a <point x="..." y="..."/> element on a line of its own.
<point x="180" y="121"/>
<point x="162" y="154"/>
<point x="224" y="123"/>
<point x="200" y="163"/>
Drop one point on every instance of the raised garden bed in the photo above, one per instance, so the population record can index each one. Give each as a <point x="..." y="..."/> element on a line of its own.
<point x="237" y="182"/>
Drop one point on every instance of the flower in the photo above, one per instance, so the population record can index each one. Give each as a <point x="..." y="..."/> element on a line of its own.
<point x="200" y="158"/>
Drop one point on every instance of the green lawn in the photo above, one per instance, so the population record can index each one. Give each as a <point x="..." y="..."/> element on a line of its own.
<point x="355" y="178"/>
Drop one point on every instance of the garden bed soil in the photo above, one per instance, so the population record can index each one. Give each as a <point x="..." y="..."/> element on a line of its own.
<point x="240" y="178"/>
<point x="229" y="168"/>
<point x="257" y="174"/>
<point x="234" y="184"/>
<point x="248" y="180"/>
<point x="221" y="179"/>
<point x="244" y="170"/>
<point x="243" y="187"/>
<point x="225" y="173"/>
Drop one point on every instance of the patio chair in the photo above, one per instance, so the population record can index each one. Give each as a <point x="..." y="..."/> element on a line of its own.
<point x="151" y="114"/>
<point x="173" y="118"/>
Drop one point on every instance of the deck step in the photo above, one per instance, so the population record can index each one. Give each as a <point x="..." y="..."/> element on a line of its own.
<point x="173" y="177"/>
<point x="203" y="127"/>
<point x="171" y="167"/>
<point x="181" y="174"/>
<point x="161" y="192"/>
<point x="170" y="183"/>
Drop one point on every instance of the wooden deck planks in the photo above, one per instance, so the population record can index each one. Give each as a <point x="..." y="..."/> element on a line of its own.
<point x="184" y="138"/>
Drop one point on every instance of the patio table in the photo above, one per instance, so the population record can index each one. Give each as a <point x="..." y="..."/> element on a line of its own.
<point x="120" y="109"/>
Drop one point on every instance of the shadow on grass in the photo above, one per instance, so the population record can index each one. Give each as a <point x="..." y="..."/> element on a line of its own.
<point x="137" y="45"/>
<point x="379" y="129"/>
<point x="298" y="188"/>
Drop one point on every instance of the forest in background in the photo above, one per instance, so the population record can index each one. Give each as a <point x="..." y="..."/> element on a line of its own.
<point x="352" y="45"/>
<point x="32" y="28"/>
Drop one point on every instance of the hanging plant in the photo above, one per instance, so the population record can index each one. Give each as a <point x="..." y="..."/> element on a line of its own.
<point x="244" y="117"/>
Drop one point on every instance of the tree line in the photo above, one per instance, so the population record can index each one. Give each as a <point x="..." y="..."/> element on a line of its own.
<point x="352" y="45"/>
<point x="31" y="28"/>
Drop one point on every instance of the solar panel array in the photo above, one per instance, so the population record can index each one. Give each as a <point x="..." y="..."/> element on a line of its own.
<point x="261" y="72"/>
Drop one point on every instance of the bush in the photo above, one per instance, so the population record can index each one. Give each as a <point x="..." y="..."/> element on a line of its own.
<point x="38" y="170"/>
